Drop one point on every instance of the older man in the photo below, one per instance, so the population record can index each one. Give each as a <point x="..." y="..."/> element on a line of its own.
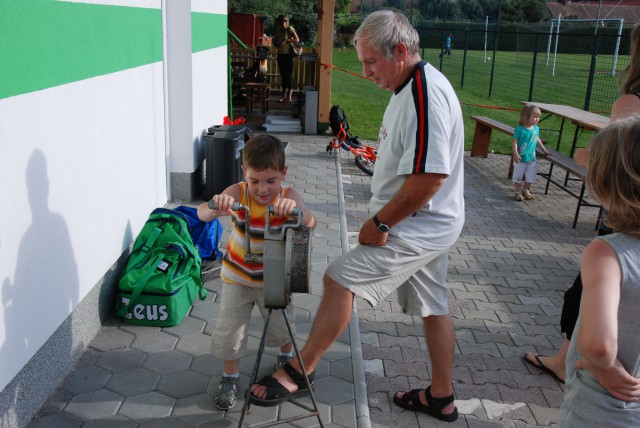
<point x="418" y="203"/>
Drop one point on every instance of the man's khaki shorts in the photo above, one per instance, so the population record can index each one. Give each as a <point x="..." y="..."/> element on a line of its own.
<point x="419" y="275"/>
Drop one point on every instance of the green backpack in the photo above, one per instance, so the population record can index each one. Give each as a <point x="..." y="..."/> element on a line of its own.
<point x="163" y="273"/>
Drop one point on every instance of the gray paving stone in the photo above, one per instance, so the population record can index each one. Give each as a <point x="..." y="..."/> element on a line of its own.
<point x="165" y="423"/>
<point x="497" y="410"/>
<point x="482" y="337"/>
<point x="413" y="369"/>
<point x="545" y="416"/>
<point x="289" y="410"/>
<point x="56" y="402"/>
<point x="136" y="381"/>
<point x="194" y="344"/>
<point x="155" y="342"/>
<point x="94" y="405"/>
<point x="110" y="339"/>
<point x="110" y="422"/>
<point x="150" y="405"/>
<point x="189" y="325"/>
<point x="388" y="385"/>
<point x="199" y="408"/>
<point x="168" y="361"/>
<point x="86" y="379"/>
<point x="342" y="369"/>
<point x="182" y="384"/>
<point x="372" y="353"/>
<point x="205" y="311"/>
<point x="477" y="348"/>
<point x="121" y="360"/>
<point x="57" y="420"/>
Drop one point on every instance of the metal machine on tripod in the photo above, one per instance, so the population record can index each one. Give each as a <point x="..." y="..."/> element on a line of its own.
<point x="286" y="260"/>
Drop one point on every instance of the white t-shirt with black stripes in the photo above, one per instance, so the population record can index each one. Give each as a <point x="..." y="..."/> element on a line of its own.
<point x="422" y="131"/>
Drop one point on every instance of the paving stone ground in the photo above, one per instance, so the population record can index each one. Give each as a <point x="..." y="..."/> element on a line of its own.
<point x="507" y="275"/>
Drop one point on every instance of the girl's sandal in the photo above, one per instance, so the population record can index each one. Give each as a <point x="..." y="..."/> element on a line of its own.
<point x="277" y="393"/>
<point x="411" y="401"/>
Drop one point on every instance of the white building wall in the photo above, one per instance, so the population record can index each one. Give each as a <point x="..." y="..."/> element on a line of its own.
<point x="82" y="165"/>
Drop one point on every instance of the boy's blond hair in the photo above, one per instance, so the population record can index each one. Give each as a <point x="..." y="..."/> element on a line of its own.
<point x="614" y="174"/>
<point x="526" y="112"/>
<point x="263" y="152"/>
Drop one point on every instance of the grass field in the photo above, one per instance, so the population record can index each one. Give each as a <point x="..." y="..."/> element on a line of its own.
<point x="364" y="102"/>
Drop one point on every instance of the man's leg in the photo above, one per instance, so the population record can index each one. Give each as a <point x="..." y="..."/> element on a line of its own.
<point x="440" y="337"/>
<point x="332" y="317"/>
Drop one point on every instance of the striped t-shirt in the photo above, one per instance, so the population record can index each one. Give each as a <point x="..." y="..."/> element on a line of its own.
<point x="234" y="268"/>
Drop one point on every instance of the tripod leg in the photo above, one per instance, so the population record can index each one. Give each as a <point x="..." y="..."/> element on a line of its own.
<point x="304" y="371"/>
<point x="256" y="366"/>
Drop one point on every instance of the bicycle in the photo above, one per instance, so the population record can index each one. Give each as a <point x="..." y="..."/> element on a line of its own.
<point x="365" y="155"/>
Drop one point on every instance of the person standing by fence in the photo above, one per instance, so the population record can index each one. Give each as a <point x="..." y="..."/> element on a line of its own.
<point x="284" y="36"/>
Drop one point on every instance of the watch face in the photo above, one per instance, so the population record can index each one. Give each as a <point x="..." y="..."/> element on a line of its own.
<point x="383" y="228"/>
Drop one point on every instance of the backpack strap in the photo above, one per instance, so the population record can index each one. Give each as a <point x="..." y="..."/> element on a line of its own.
<point x="139" y="286"/>
<point x="146" y="246"/>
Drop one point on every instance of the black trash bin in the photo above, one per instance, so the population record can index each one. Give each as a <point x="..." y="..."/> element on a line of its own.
<point x="223" y="158"/>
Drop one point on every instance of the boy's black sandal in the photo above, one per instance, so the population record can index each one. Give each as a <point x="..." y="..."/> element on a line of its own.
<point x="411" y="401"/>
<point x="276" y="393"/>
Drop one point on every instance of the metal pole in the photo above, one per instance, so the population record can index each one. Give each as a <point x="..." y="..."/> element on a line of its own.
<point x="533" y="67"/>
<point x="486" y="31"/>
<point x="495" y="48"/>
<point x="549" y="41"/>
<point x="555" y="49"/>
<point x="464" y="58"/>
<point x="615" y="55"/>
<point x="592" y="73"/>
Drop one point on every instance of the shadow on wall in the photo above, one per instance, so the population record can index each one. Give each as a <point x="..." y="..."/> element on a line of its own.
<point x="43" y="292"/>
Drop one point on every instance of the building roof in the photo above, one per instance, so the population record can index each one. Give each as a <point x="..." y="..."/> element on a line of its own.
<point x="627" y="10"/>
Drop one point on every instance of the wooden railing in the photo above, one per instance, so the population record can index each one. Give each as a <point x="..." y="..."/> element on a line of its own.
<point x="304" y="70"/>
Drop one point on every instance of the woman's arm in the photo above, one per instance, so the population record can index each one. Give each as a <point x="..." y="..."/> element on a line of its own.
<point x="624" y="107"/>
<point x="294" y="36"/>
<point x="597" y="339"/>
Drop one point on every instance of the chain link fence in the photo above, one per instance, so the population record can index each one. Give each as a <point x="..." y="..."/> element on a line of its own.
<point x="576" y="69"/>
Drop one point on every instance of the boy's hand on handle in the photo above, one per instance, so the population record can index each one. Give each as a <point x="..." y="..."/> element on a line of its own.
<point x="223" y="204"/>
<point x="284" y="206"/>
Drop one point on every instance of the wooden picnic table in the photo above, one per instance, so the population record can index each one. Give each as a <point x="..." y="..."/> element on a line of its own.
<point x="582" y="119"/>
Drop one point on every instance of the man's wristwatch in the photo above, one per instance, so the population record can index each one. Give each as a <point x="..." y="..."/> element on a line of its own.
<point x="382" y="228"/>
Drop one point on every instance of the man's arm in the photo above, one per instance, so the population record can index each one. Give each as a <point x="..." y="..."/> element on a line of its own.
<point x="416" y="191"/>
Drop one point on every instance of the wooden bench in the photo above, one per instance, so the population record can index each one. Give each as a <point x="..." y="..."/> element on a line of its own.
<point x="480" y="147"/>
<point x="568" y="164"/>
<point x="482" y="134"/>
<point x="482" y="137"/>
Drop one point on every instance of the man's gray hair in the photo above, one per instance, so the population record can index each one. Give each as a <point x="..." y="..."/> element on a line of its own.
<point x="384" y="29"/>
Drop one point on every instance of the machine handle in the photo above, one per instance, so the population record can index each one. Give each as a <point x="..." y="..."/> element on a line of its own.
<point x="296" y="211"/>
<point x="236" y="206"/>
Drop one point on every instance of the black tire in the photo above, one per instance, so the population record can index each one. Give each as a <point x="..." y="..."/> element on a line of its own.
<point x="364" y="165"/>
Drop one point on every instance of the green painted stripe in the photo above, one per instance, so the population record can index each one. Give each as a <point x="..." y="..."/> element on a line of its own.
<point x="208" y="31"/>
<point x="46" y="43"/>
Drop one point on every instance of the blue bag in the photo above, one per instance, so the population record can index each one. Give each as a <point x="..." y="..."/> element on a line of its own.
<point x="206" y="236"/>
